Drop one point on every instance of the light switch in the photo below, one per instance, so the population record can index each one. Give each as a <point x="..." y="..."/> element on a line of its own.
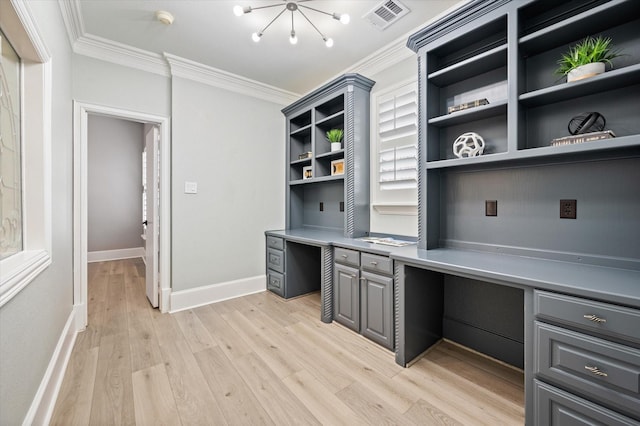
<point x="191" y="187"/>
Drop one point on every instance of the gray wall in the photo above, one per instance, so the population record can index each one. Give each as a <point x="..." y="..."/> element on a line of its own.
<point x="233" y="147"/>
<point x="114" y="183"/>
<point x="32" y="322"/>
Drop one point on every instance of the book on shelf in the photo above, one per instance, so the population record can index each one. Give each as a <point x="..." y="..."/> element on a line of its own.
<point x="467" y="105"/>
<point x="585" y="137"/>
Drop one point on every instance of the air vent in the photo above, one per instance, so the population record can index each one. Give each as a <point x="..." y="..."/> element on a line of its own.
<point x="386" y="13"/>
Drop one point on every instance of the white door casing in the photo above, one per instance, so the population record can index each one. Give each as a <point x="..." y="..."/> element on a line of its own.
<point x="81" y="112"/>
<point x="151" y="233"/>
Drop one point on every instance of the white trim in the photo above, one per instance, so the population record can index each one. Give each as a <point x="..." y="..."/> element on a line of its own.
<point x="36" y="72"/>
<point x="106" y="255"/>
<point x="195" y="71"/>
<point x="72" y="17"/>
<point x="399" y="209"/>
<point x="81" y="113"/>
<point x="26" y="19"/>
<point x="45" y="399"/>
<point x="19" y="270"/>
<point x="192" y="298"/>
<point x="119" y="53"/>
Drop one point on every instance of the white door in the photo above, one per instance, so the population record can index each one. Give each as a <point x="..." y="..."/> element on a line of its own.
<point x="151" y="233"/>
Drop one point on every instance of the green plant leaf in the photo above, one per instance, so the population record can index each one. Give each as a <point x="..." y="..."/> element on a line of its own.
<point x="587" y="51"/>
<point x="335" y="135"/>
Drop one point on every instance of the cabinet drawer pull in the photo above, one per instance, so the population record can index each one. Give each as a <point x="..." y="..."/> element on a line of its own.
<point x="374" y="263"/>
<point x="354" y="276"/>
<point x="596" y="371"/>
<point x="594" y="318"/>
<point x="345" y="255"/>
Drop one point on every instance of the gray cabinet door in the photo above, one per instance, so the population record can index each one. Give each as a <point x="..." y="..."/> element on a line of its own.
<point x="346" y="282"/>
<point x="377" y="308"/>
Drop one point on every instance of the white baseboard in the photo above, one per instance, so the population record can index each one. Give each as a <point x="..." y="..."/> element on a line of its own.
<point x="105" y="255"/>
<point x="192" y="298"/>
<point x="44" y="402"/>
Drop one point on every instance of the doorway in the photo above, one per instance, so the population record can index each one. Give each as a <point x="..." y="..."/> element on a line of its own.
<point x="80" y="189"/>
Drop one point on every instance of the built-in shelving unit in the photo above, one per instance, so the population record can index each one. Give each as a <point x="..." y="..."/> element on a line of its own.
<point x="506" y="52"/>
<point x="319" y="196"/>
<point x="508" y="56"/>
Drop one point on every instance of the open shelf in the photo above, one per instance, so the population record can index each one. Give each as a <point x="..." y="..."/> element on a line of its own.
<point x="471" y="114"/>
<point x="494" y="58"/>
<point x="589" y="22"/>
<point x="610" y="80"/>
<point x="331" y="154"/>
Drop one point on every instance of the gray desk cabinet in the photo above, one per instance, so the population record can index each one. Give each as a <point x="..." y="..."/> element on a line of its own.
<point x="346" y="288"/>
<point x="589" y="349"/>
<point x="363" y="294"/>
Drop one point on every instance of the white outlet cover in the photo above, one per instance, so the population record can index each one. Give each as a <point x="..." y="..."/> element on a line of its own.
<point x="191" y="187"/>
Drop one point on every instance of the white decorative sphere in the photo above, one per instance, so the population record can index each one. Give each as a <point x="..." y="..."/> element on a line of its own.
<point x="468" y="145"/>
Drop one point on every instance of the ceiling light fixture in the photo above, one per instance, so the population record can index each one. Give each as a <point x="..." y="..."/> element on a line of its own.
<point x="292" y="6"/>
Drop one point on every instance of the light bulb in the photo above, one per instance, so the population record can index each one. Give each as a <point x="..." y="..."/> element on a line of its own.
<point x="328" y="42"/>
<point x="345" y="18"/>
<point x="293" y="39"/>
<point x="239" y="10"/>
<point x="256" y="37"/>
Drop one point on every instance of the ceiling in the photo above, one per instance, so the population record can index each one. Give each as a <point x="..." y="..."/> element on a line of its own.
<point x="207" y="32"/>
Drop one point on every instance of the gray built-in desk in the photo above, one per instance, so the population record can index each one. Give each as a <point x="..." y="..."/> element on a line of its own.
<point x="497" y="304"/>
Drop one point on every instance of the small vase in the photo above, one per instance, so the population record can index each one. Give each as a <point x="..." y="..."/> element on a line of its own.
<point x="336" y="146"/>
<point x="585" y="71"/>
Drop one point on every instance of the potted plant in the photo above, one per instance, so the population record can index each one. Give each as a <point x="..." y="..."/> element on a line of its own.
<point x="335" y="137"/>
<point x="587" y="58"/>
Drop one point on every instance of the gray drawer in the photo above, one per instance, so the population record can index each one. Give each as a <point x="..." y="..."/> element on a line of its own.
<point x="375" y="263"/>
<point x="346" y="256"/>
<point x="275" y="260"/>
<point x="275" y="242"/>
<point x="603" y="318"/>
<point x="608" y="372"/>
<point x="275" y="282"/>
<point x="555" y="407"/>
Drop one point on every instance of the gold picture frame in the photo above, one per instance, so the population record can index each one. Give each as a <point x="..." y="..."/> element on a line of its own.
<point x="337" y="167"/>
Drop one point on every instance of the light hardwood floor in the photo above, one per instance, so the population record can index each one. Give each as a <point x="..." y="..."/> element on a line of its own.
<point x="261" y="360"/>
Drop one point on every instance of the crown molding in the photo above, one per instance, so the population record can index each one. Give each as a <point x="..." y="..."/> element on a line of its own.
<point x="383" y="58"/>
<point x="72" y="17"/>
<point x="185" y="68"/>
<point x="122" y="54"/>
<point x="37" y="51"/>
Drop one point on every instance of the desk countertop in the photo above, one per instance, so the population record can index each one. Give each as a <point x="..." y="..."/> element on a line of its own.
<point x="615" y="285"/>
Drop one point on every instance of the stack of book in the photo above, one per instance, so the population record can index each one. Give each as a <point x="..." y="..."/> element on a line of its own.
<point x="585" y="137"/>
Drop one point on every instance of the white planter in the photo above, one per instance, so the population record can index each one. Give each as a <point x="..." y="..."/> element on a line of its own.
<point x="336" y="146"/>
<point x="585" y="71"/>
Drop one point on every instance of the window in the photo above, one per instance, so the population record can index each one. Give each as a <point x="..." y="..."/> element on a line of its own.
<point x="397" y="139"/>
<point x="26" y="180"/>
<point x="10" y="151"/>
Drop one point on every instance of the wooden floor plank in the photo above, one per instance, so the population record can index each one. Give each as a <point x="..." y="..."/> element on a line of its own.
<point x="153" y="402"/>
<point x="112" y="401"/>
<point x="76" y="391"/>
<point x="371" y="407"/>
<point x="195" y="402"/>
<point x="197" y="336"/>
<point x="283" y="406"/>
<point x="260" y="359"/>
<point x="237" y="402"/>
<point x="276" y="358"/>
<point x="228" y="340"/>
<point x="324" y="405"/>
<point x="423" y="413"/>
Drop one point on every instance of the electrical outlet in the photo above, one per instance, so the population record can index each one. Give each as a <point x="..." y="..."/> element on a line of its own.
<point x="568" y="209"/>
<point x="321" y="206"/>
<point x="491" y="208"/>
